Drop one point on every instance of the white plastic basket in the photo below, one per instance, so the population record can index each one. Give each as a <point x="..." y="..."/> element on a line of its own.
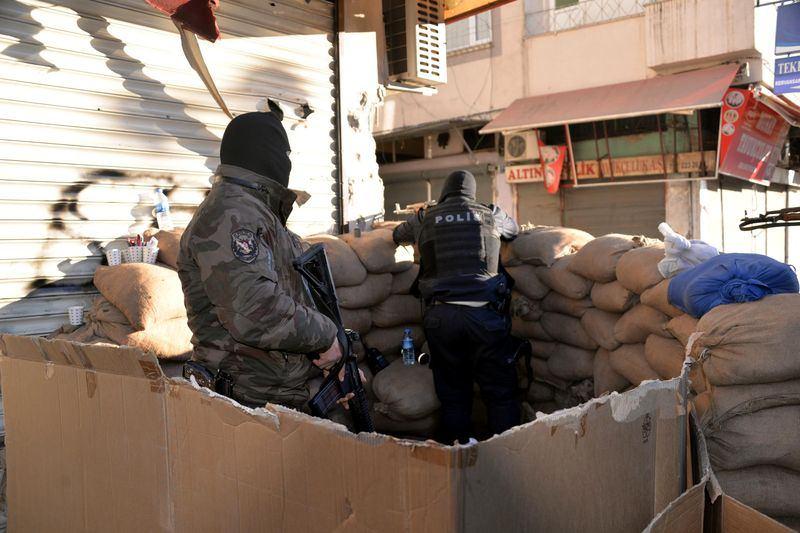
<point x="75" y="315"/>
<point x="114" y="257"/>
<point x="150" y="255"/>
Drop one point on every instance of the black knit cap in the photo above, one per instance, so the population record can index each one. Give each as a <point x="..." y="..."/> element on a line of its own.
<point x="257" y="141"/>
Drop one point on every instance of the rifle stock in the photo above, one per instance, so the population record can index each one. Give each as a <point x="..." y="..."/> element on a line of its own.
<point x="313" y="267"/>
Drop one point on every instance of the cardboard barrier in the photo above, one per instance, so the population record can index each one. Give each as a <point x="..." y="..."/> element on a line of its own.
<point x="98" y="439"/>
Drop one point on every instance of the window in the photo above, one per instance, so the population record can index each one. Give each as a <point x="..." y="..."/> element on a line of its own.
<point x="469" y="32"/>
<point x="565" y="3"/>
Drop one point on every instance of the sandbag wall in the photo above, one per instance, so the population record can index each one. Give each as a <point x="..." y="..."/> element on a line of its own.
<point x="595" y="311"/>
<point x="749" y="357"/>
<point x="140" y="305"/>
<point x="373" y="278"/>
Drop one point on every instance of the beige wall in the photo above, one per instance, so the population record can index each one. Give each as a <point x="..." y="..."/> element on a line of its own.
<point x="680" y="31"/>
<point x="478" y="81"/>
<point x="588" y="56"/>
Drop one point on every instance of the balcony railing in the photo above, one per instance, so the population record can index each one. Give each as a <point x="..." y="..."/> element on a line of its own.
<point x="549" y="16"/>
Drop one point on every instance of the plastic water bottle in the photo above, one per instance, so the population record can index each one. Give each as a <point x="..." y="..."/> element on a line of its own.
<point x="163" y="218"/>
<point x="409" y="357"/>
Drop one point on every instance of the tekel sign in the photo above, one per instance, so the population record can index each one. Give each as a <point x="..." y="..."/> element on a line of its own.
<point x="751" y="137"/>
<point x="787" y="75"/>
<point x="787" y="30"/>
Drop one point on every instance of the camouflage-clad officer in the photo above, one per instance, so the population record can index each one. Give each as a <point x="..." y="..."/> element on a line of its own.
<point x="248" y="309"/>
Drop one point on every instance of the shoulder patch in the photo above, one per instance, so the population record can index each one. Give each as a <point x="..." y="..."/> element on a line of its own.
<point x="244" y="245"/>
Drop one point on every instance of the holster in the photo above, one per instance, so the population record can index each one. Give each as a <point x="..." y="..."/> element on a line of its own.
<point x="220" y="381"/>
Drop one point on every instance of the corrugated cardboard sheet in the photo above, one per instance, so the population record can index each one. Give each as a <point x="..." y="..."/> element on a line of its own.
<point x="98" y="439"/>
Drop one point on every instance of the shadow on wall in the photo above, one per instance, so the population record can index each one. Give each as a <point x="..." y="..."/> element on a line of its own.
<point x="29" y="49"/>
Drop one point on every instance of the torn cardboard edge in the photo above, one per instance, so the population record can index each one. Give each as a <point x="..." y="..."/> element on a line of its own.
<point x="196" y="460"/>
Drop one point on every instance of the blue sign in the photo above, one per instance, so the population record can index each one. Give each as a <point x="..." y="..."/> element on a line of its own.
<point x="787" y="32"/>
<point x="787" y="75"/>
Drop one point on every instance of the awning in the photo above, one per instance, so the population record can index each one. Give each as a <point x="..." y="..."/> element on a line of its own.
<point x="697" y="89"/>
<point x="780" y="104"/>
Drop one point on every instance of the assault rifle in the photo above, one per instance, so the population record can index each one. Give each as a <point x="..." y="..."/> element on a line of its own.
<point x="313" y="267"/>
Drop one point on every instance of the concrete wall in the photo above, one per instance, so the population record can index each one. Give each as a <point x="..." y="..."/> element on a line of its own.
<point x="693" y="31"/>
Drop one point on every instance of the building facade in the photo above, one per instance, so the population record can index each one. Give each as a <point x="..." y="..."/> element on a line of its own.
<point x="629" y="90"/>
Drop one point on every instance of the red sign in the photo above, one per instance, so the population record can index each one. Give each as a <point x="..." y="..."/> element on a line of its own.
<point x="547" y="171"/>
<point x="751" y="137"/>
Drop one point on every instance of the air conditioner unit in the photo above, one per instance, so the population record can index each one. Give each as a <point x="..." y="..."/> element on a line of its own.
<point x="415" y="41"/>
<point x="522" y="146"/>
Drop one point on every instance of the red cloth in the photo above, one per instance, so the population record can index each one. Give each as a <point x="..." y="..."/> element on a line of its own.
<point x="197" y="16"/>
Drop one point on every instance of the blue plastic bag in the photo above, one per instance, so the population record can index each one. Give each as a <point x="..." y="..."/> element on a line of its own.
<point x="730" y="278"/>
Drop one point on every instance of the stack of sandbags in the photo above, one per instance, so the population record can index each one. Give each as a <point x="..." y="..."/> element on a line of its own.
<point x="373" y="278"/>
<point x="750" y="412"/>
<point x="405" y="400"/>
<point x="547" y="304"/>
<point x="140" y="305"/>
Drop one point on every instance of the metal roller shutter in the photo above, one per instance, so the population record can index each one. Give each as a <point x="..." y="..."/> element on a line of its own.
<point x="98" y="107"/>
<point x="628" y="209"/>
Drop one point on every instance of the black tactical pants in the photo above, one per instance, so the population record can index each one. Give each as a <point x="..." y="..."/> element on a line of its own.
<point x="470" y="344"/>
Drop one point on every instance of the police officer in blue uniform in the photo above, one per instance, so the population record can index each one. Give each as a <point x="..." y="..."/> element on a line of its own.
<point x="466" y="293"/>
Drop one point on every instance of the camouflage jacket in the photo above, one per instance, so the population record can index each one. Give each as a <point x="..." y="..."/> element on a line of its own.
<point x="241" y="291"/>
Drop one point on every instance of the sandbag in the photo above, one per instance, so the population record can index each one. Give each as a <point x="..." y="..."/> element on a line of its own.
<point x="104" y="311"/>
<point x="629" y="361"/>
<point x="169" y="244"/>
<point x="637" y="269"/>
<point x="613" y="297"/>
<point x="570" y="363"/>
<point x="389" y="340"/>
<point x="540" y="392"/>
<point x="657" y="298"/>
<point x="543" y="245"/>
<point x="146" y="294"/>
<point x="665" y="356"/>
<point x="526" y="329"/>
<point x="507" y="256"/>
<point x="525" y="308"/>
<point x="755" y="342"/>
<point x="681" y="327"/>
<point x="396" y="310"/>
<point x="769" y="436"/>
<point x="730" y="278"/>
<point x="598" y="259"/>
<point x="359" y="320"/>
<point x="346" y="268"/>
<point x="423" y="428"/>
<point x="405" y="392"/>
<point x="599" y="325"/>
<point x="568" y="330"/>
<point x="606" y="379"/>
<point x="559" y="303"/>
<point x="719" y="404"/>
<point x="636" y="324"/>
<point x="527" y="282"/>
<point x="542" y="373"/>
<point x="402" y="281"/>
<point x="543" y="349"/>
<point x="560" y="279"/>
<point x="167" y="339"/>
<point x="771" y="490"/>
<point x="376" y="249"/>
<point x="375" y="289"/>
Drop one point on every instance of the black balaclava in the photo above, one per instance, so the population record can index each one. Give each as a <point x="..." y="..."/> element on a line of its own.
<point x="459" y="183"/>
<point x="257" y="141"/>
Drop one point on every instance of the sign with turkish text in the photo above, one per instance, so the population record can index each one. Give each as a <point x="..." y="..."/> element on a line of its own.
<point x="548" y="171"/>
<point x="751" y="137"/>
<point x="624" y="167"/>
<point x="787" y="75"/>
<point x="787" y="29"/>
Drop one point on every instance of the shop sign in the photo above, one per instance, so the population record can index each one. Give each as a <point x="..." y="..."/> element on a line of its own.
<point x="751" y="137"/>
<point x="624" y="167"/>
<point x="549" y="171"/>
<point x="787" y="75"/>
<point x="787" y="30"/>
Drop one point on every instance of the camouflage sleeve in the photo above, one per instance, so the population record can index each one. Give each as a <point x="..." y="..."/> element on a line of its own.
<point x="237" y="267"/>
<point x="408" y="231"/>
<point x="506" y="225"/>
